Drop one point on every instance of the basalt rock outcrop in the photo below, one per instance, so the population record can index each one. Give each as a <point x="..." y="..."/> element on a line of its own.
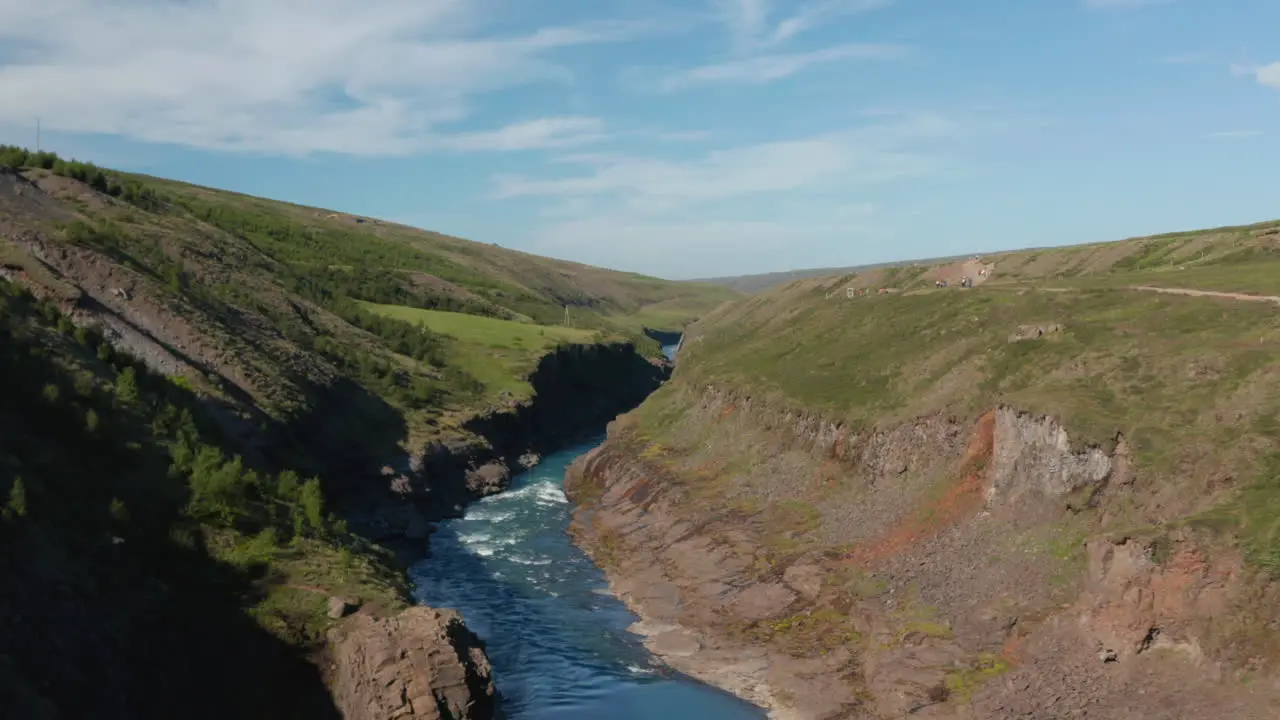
<point x="423" y="664"/>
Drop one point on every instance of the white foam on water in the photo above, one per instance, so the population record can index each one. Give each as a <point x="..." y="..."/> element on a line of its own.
<point x="488" y="515"/>
<point x="551" y="495"/>
<point x="530" y="561"/>
<point x="523" y="492"/>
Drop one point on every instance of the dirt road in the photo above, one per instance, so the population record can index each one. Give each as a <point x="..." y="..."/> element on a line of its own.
<point x="1207" y="293"/>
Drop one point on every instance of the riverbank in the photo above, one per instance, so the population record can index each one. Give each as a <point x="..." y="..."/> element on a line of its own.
<point x="578" y="389"/>
<point x="559" y="642"/>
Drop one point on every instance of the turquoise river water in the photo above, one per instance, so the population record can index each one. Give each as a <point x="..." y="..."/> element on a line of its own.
<point x="557" y="639"/>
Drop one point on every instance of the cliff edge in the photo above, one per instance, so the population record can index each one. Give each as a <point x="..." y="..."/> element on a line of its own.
<point x="1015" y="501"/>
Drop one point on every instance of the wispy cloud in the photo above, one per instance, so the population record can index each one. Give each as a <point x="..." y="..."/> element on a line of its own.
<point x="883" y="151"/>
<point x="1123" y="4"/>
<point x="551" y="132"/>
<point x="381" y="77"/>
<point x="740" y="207"/>
<point x="690" y="247"/>
<point x="1234" y="134"/>
<point x="758" y="38"/>
<point x="766" y="68"/>
<point x="1266" y="75"/>
<point x="752" y="26"/>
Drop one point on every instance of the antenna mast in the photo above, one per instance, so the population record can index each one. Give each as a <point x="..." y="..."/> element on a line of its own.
<point x="37" y="134"/>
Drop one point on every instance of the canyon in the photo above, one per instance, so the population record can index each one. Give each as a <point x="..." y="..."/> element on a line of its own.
<point x="836" y="510"/>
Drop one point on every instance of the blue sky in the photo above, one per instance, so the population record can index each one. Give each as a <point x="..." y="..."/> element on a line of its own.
<point x="682" y="138"/>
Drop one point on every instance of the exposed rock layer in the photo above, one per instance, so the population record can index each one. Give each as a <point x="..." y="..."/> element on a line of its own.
<point x="422" y="663"/>
<point x="947" y="575"/>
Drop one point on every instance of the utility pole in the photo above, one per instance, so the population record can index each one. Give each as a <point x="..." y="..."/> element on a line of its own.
<point x="566" y="316"/>
<point x="37" y="134"/>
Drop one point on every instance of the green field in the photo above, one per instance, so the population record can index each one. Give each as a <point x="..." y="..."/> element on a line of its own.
<point x="498" y="353"/>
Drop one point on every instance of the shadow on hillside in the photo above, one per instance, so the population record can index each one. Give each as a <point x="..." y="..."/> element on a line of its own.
<point x="665" y="337"/>
<point x="344" y="437"/>
<point x="578" y="391"/>
<point x="110" y="604"/>
<point x="91" y="629"/>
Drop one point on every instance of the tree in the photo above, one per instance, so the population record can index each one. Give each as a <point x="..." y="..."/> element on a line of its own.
<point x="17" y="505"/>
<point x="127" y="387"/>
<point x="311" y="504"/>
<point x="287" y="486"/>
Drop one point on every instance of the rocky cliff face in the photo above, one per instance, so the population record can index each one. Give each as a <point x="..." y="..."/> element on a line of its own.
<point x="422" y="663"/>
<point x="939" y="568"/>
<point x="578" y="390"/>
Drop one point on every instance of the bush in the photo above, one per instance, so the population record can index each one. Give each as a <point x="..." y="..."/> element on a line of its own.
<point x="17" y="505"/>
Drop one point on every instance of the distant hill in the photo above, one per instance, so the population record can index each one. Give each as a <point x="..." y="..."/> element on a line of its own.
<point x="764" y="281"/>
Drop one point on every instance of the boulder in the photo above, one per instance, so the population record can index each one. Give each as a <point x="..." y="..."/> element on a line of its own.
<point x="421" y="664"/>
<point x="490" y="478"/>
<point x="340" y="607"/>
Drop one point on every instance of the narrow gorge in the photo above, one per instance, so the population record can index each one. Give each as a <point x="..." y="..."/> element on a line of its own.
<point x="260" y="460"/>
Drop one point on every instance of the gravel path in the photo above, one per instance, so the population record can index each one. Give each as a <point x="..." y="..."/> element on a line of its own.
<point x="1207" y="293"/>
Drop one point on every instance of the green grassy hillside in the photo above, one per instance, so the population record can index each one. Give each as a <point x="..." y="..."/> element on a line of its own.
<point x="1191" y="381"/>
<point x="499" y="353"/>
<point x="970" y="497"/>
<point x="266" y="302"/>
<point x="177" y="362"/>
<point x="165" y="568"/>
<point x="1231" y="247"/>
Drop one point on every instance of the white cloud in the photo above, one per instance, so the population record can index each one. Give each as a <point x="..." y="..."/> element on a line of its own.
<point x="688" y="247"/>
<point x="757" y="37"/>
<point x="291" y="76"/>
<point x="1265" y="75"/>
<point x="541" y="133"/>
<point x="733" y="210"/>
<point x="871" y="153"/>
<point x="766" y="68"/>
<point x="750" y="26"/>
<point x="817" y="13"/>
<point x="1268" y="75"/>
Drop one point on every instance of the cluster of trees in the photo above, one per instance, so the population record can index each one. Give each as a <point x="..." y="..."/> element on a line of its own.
<point x="334" y="270"/>
<point x="140" y="432"/>
<point x="130" y="533"/>
<point x="375" y="372"/>
<point x="329" y="267"/>
<point x="405" y="338"/>
<point x="104" y="181"/>
<point x="314" y="252"/>
<point x="324" y="285"/>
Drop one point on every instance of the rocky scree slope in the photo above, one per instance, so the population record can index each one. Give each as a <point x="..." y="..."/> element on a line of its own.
<point x="913" y="505"/>
<point x="241" y="319"/>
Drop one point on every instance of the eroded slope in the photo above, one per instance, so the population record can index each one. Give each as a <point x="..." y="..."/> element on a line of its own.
<point x="1029" y="499"/>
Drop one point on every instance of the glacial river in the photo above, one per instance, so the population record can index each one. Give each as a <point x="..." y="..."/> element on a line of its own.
<point x="557" y="640"/>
